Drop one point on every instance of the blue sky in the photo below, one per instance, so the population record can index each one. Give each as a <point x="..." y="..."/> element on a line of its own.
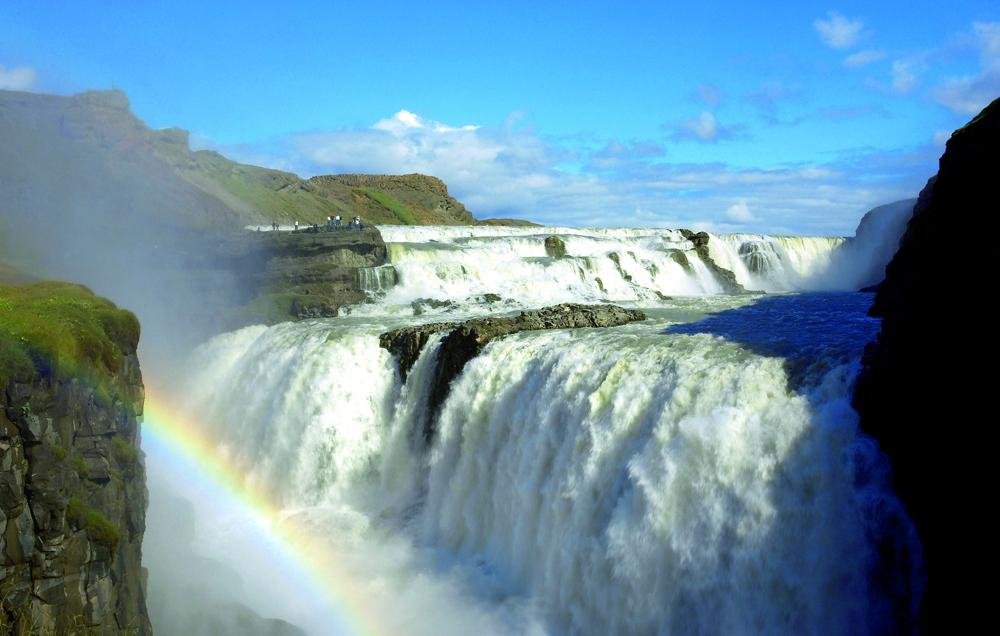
<point x="780" y="117"/>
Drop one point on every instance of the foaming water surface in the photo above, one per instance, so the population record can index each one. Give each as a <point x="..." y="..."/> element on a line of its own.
<point x="698" y="472"/>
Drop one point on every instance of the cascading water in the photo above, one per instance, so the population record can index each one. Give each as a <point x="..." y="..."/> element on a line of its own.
<point x="617" y="265"/>
<point x="774" y="263"/>
<point x="699" y="472"/>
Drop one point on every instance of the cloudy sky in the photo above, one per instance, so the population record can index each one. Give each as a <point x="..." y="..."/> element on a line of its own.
<point x="725" y="115"/>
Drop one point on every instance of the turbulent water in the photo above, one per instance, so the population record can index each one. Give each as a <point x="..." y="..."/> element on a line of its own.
<point x="699" y="472"/>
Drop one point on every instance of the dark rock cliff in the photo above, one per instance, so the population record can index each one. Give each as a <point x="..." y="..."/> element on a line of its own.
<point x="72" y="478"/>
<point x="917" y="394"/>
<point x="465" y="340"/>
<point x="284" y="275"/>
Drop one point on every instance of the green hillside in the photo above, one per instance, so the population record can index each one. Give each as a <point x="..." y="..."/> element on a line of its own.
<point x="64" y="153"/>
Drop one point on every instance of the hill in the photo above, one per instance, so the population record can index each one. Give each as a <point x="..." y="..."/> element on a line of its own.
<point x="73" y="155"/>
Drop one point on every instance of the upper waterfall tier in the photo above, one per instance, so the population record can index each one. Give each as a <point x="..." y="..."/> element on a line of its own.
<point x="462" y="265"/>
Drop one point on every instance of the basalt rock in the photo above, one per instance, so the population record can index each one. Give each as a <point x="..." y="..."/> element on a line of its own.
<point x="917" y="393"/>
<point x="465" y="340"/>
<point x="555" y="247"/>
<point x="72" y="505"/>
<point x="725" y="277"/>
<point x="282" y="276"/>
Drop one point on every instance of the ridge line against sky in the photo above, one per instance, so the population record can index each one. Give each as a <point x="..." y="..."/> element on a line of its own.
<point x="725" y="117"/>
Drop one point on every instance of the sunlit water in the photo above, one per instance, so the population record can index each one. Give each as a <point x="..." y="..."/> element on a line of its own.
<point x="698" y="472"/>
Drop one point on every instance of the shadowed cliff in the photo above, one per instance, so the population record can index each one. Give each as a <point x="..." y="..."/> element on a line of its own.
<point x="920" y="394"/>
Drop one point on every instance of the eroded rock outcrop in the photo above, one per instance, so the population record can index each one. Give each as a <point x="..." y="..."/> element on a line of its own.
<point x="555" y="247"/>
<point x="725" y="277"/>
<point x="465" y="340"/>
<point x="286" y="275"/>
<point x="917" y="393"/>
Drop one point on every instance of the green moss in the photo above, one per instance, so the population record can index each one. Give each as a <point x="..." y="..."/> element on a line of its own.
<point x="124" y="453"/>
<point x="79" y="465"/>
<point x="387" y="201"/>
<point x="59" y="452"/>
<point x="64" y="330"/>
<point x="15" y="363"/>
<point x="80" y="516"/>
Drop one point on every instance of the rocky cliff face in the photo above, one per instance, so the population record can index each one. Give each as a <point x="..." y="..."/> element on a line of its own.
<point x="286" y="275"/>
<point x="917" y="394"/>
<point x="72" y="493"/>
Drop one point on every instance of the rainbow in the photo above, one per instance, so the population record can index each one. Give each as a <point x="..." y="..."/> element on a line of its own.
<point x="168" y="430"/>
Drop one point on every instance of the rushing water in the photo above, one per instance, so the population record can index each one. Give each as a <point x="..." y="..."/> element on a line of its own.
<point x="698" y="472"/>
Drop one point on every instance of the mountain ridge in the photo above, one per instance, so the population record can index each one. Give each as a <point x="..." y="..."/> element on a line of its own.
<point x="73" y="145"/>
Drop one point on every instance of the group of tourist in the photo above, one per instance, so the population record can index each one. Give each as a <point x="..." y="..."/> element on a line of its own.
<point x="332" y="223"/>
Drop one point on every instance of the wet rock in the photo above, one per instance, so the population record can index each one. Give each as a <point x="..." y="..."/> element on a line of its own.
<point x="555" y="247"/>
<point x="681" y="259"/>
<point x="407" y="343"/>
<point x="465" y="340"/>
<point x="304" y="308"/>
<point x="617" y="260"/>
<point x="421" y="305"/>
<point x="725" y="277"/>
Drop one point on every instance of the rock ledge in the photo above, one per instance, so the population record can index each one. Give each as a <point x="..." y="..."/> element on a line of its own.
<point x="467" y="339"/>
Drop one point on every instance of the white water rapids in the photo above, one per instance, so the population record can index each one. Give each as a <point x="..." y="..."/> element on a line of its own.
<point x="699" y="472"/>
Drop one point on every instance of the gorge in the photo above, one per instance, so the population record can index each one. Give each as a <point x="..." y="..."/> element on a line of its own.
<point x="470" y="427"/>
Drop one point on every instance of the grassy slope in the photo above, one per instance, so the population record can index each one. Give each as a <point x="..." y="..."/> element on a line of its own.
<point x="61" y="151"/>
<point x="61" y="329"/>
<point x="403" y="214"/>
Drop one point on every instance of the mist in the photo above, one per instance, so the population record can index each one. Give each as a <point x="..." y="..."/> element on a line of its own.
<point x="85" y="198"/>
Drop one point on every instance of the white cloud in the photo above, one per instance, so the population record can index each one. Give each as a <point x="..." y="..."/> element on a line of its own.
<point x="968" y="94"/>
<point x="988" y="34"/>
<point x="838" y="31"/>
<point x="864" y="58"/>
<point x="739" y="213"/>
<point x="904" y="76"/>
<point x="405" y="121"/>
<point x="704" y="128"/>
<point x="21" y="78"/>
<point x="492" y="168"/>
<point x="509" y="170"/>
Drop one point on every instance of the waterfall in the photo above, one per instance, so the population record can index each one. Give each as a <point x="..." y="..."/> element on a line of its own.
<point x="376" y="281"/>
<point x="700" y="472"/>
<point x="774" y="263"/>
<point x="641" y="266"/>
